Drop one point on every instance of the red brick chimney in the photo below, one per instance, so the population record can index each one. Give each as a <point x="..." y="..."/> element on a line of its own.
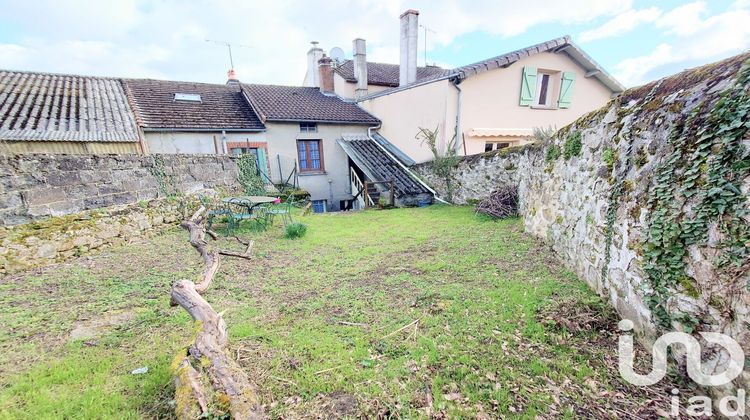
<point x="326" y="74"/>
<point x="232" y="77"/>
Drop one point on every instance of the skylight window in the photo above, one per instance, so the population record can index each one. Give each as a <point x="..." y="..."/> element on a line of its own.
<point x="187" y="97"/>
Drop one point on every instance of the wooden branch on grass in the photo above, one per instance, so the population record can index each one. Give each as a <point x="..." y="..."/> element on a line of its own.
<point x="207" y="380"/>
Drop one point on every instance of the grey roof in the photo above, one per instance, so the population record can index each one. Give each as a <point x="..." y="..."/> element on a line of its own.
<point x="382" y="74"/>
<point x="56" y="107"/>
<point x="294" y="103"/>
<point x="561" y="45"/>
<point x="222" y="107"/>
<point x="395" y="151"/>
<point x="378" y="166"/>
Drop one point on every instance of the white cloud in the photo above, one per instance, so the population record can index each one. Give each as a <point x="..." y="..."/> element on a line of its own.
<point x="621" y="24"/>
<point x="702" y="41"/>
<point x="165" y="39"/>
<point x="683" y="20"/>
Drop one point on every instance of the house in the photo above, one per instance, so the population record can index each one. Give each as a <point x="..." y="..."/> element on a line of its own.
<point x="480" y="107"/>
<point x="57" y="113"/>
<point x="188" y="117"/>
<point x="309" y="129"/>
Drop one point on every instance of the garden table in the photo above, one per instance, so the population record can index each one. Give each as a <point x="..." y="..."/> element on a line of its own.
<point x="249" y="201"/>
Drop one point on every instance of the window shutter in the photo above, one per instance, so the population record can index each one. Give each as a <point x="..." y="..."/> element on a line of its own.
<point x="566" y="89"/>
<point x="528" y="86"/>
<point x="263" y="164"/>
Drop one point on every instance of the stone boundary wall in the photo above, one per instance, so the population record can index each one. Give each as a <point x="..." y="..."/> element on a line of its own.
<point x="478" y="175"/>
<point x="60" y="238"/>
<point x="647" y="201"/>
<point x="35" y="186"/>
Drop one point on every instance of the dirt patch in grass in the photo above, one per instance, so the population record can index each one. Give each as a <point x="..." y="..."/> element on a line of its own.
<point x="88" y="329"/>
<point x="593" y="325"/>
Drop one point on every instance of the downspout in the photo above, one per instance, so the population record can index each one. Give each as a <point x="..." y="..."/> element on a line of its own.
<point x="398" y="162"/>
<point x="224" y="142"/>
<point x="459" y="137"/>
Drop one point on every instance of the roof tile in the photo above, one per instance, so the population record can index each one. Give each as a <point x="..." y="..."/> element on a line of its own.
<point x="43" y="106"/>
<point x="294" y="103"/>
<point x="222" y="107"/>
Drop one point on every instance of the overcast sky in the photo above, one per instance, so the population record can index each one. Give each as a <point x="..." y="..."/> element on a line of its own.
<point x="636" y="41"/>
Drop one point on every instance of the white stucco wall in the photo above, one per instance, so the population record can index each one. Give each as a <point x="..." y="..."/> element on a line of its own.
<point x="170" y="142"/>
<point x="488" y="100"/>
<point x="333" y="183"/>
<point x="346" y="89"/>
<point x="404" y="112"/>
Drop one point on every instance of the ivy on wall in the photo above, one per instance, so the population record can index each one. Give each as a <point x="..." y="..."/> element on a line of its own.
<point x="166" y="183"/>
<point x="706" y="166"/>
<point x="249" y="176"/>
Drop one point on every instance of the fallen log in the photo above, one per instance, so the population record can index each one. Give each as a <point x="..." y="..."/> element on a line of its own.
<point x="208" y="382"/>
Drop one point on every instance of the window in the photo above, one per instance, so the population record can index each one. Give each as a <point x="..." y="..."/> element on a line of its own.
<point x="243" y="150"/>
<point x="308" y="127"/>
<point x="187" y="97"/>
<point x="310" y="156"/>
<point x="319" y="206"/>
<point x="490" y="146"/>
<point x="543" y="89"/>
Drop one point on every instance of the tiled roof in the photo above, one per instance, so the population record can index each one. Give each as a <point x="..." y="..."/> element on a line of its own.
<point x="221" y="107"/>
<point x="55" y="107"/>
<point x="378" y="166"/>
<point x="382" y="74"/>
<point x="293" y="103"/>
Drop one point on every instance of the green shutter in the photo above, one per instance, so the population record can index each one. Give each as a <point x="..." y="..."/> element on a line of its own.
<point x="528" y="86"/>
<point x="566" y="89"/>
<point x="263" y="164"/>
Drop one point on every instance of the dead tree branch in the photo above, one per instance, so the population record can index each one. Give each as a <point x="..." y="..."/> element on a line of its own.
<point x="208" y="381"/>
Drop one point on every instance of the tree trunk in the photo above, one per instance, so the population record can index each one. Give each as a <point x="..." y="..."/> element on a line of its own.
<point x="207" y="379"/>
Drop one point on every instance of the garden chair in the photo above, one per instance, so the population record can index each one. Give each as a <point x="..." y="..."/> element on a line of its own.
<point x="215" y="209"/>
<point x="259" y="216"/>
<point x="284" y="210"/>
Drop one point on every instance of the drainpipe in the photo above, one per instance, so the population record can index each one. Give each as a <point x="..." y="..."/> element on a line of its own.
<point x="398" y="162"/>
<point x="224" y="142"/>
<point x="459" y="137"/>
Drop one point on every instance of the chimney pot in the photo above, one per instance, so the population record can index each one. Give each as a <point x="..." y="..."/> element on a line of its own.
<point x="360" y="66"/>
<point x="326" y="74"/>
<point x="408" y="57"/>
<point x="312" y="77"/>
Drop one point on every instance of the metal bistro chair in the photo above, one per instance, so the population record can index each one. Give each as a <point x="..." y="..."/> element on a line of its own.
<point x="259" y="216"/>
<point x="284" y="210"/>
<point x="215" y="210"/>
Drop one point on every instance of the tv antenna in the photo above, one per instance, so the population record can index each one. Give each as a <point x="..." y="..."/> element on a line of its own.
<point x="426" y="29"/>
<point x="229" y="48"/>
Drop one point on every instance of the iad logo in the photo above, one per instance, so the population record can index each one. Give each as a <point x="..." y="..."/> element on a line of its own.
<point x="733" y="366"/>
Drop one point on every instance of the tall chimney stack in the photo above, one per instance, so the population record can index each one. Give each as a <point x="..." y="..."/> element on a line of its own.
<point x="326" y="74"/>
<point x="408" y="61"/>
<point x="312" y="77"/>
<point x="360" y="66"/>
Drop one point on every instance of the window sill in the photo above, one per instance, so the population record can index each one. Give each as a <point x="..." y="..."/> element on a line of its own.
<point x="549" y="108"/>
<point x="312" y="173"/>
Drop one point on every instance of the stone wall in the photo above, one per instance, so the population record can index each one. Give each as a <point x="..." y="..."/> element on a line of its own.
<point x="36" y="185"/>
<point x="478" y="175"/>
<point x="59" y="238"/>
<point x="646" y="200"/>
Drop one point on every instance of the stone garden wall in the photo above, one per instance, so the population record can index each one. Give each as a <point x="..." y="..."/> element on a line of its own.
<point x="646" y="200"/>
<point x="37" y="185"/>
<point x="59" y="238"/>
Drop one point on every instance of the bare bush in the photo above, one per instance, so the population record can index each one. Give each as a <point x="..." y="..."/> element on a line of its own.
<point x="500" y="204"/>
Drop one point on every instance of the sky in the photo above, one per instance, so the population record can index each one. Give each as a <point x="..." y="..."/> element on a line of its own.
<point x="635" y="40"/>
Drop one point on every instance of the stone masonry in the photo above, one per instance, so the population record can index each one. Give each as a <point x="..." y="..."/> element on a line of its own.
<point x="36" y="186"/>
<point x="602" y="206"/>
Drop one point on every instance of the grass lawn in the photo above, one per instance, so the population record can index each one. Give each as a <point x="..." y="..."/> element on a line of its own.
<point x="403" y="313"/>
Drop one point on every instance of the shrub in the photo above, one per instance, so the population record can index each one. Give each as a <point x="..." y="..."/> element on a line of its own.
<point x="295" y="230"/>
<point x="608" y="157"/>
<point x="553" y="153"/>
<point x="573" y="145"/>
